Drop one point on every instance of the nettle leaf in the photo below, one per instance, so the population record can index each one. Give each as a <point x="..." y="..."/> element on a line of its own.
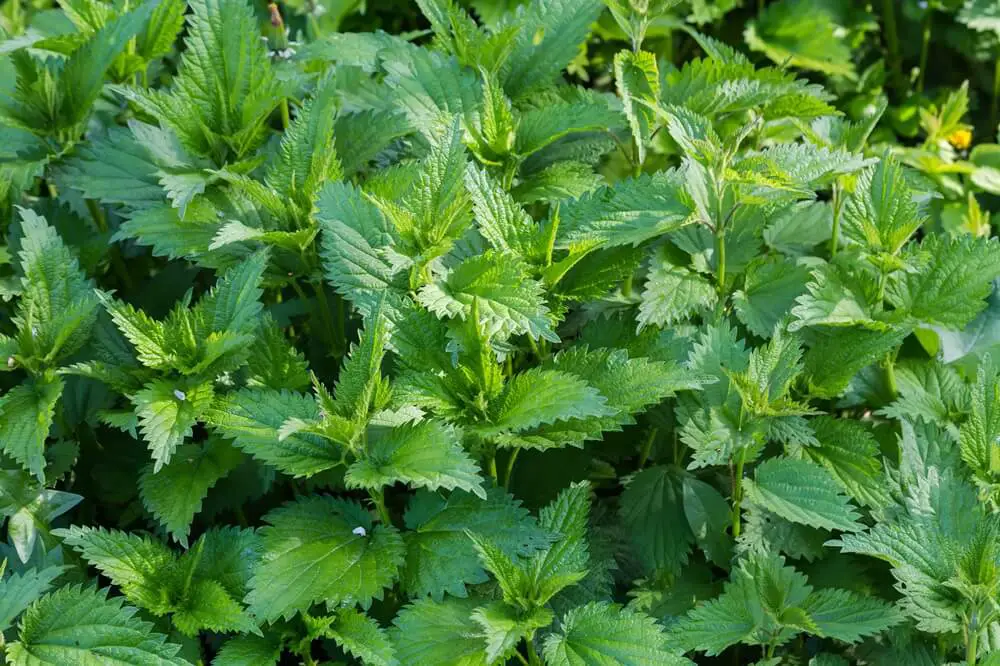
<point x="952" y="289"/>
<point x="848" y="450"/>
<point x="249" y="650"/>
<point x="253" y="418"/>
<point x="631" y="212"/>
<point x="427" y="454"/>
<point x="802" y="492"/>
<point x="362" y="637"/>
<point x="509" y="301"/>
<point x="549" y="35"/>
<point x="766" y="601"/>
<point x="18" y="591"/>
<point x="881" y="214"/>
<point x="638" y="80"/>
<point x="652" y="511"/>
<point x="313" y="552"/>
<point x="440" y="558"/>
<point x="770" y="291"/>
<point x="440" y="632"/>
<point x="82" y="625"/>
<point x="175" y="493"/>
<point x="601" y="633"/>
<point x="26" y="414"/>
<point x="673" y="294"/>
<point x="167" y="415"/>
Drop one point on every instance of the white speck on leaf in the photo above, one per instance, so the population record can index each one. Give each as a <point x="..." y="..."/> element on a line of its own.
<point x="360" y="531"/>
<point x="180" y="395"/>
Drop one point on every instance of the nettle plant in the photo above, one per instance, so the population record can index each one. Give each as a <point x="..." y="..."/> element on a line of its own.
<point x="410" y="350"/>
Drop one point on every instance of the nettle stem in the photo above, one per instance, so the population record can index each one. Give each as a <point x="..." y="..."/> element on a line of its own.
<point x="972" y="642"/>
<point x="720" y="258"/>
<point x="996" y="94"/>
<point x="925" y="43"/>
<point x="510" y="469"/>
<point x="647" y="447"/>
<point x="378" y="497"/>
<point x="738" y="491"/>
<point x="892" y="40"/>
<point x="838" y="203"/>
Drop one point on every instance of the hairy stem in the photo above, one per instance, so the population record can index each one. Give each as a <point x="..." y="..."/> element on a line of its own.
<point x="491" y="465"/>
<point x="892" y="40"/>
<point x="838" y="203"/>
<point x="533" y="657"/>
<point x="510" y="469"/>
<point x="286" y="117"/>
<point x="738" y="491"/>
<point x="925" y="43"/>
<point x="996" y="94"/>
<point x="378" y="497"/>
<point x="972" y="644"/>
<point x="647" y="447"/>
<point x="720" y="254"/>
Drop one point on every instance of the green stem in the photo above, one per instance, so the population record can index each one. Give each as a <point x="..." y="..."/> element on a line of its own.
<point x="647" y="447"/>
<point x="533" y="658"/>
<point x="760" y="7"/>
<point x="378" y="497"/>
<point x="738" y="491"/>
<point x="627" y="286"/>
<point x="97" y="213"/>
<point x="972" y="645"/>
<point x="838" y="202"/>
<point x="925" y="43"/>
<point x="720" y="254"/>
<point x="491" y="465"/>
<point x="994" y="101"/>
<point x="510" y="469"/>
<point x="307" y="659"/>
<point x="312" y="25"/>
<point x="335" y="332"/>
<point x="534" y="348"/>
<point x="890" y="375"/>
<point x="892" y="37"/>
<point x="199" y="549"/>
<point x="286" y="117"/>
<point x="770" y="650"/>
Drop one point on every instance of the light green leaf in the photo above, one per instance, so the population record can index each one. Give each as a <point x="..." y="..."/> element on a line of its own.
<point x="802" y="492"/>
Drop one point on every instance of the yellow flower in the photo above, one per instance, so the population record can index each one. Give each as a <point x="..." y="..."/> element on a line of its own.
<point x="960" y="138"/>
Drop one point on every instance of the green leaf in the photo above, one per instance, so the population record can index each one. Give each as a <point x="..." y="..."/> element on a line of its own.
<point x="174" y="495"/>
<point x="652" y="512"/>
<point x="769" y="292"/>
<point x="134" y="564"/>
<point x="881" y="214"/>
<point x="848" y="450"/>
<point x="550" y="33"/>
<point x="252" y="418"/>
<point x="673" y="294"/>
<point x="631" y="212"/>
<point x="426" y="454"/>
<point x="249" y="651"/>
<point x="539" y="396"/>
<point x="708" y="515"/>
<point x="504" y="627"/>
<point x="19" y="591"/>
<point x="26" y="413"/>
<point x="359" y="378"/>
<point x="638" y="81"/>
<point x="361" y="636"/>
<point x="952" y="289"/>
<point x="801" y="34"/>
<point x="802" y="492"/>
<point x="313" y="552"/>
<point x="30" y="509"/>
<point x="604" y="633"/>
<point x="83" y="626"/>
<point x="537" y="128"/>
<point x="167" y="412"/>
<point x="355" y="237"/>
<point x="436" y="632"/>
<point x="441" y="559"/>
<point x="847" y="616"/>
<point x="510" y="302"/>
<point x="58" y="305"/>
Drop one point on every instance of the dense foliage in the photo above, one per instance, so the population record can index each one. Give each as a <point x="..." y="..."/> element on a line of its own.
<point x="554" y="332"/>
